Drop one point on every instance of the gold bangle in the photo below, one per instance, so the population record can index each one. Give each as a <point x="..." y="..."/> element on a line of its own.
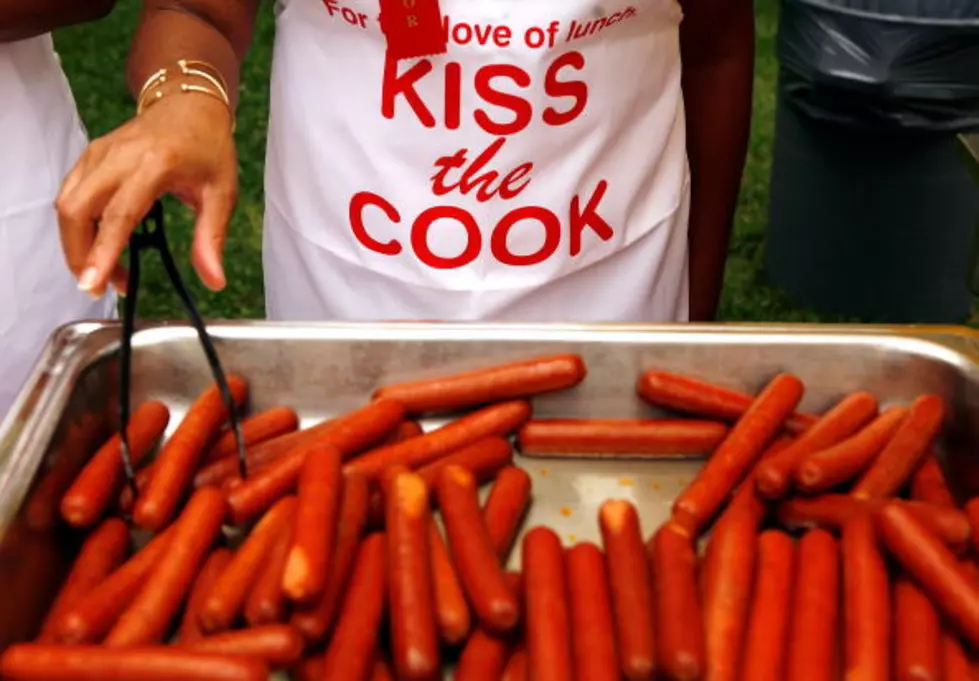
<point x="151" y="92"/>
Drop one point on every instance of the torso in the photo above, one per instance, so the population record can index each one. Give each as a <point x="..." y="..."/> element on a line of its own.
<point x="535" y="172"/>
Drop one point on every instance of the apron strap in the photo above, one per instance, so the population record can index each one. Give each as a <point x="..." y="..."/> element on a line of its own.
<point x="150" y="235"/>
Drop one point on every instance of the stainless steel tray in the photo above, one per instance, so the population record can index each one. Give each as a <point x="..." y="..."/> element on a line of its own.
<point x="67" y="405"/>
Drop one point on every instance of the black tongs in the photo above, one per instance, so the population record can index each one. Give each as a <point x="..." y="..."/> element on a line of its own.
<point x="150" y="236"/>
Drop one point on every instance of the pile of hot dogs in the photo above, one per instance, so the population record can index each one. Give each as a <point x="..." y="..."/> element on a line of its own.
<point x="835" y="548"/>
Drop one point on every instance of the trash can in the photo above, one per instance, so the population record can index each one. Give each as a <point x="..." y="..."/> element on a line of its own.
<point x="872" y="211"/>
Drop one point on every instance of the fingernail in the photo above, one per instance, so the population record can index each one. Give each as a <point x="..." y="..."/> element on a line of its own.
<point x="86" y="282"/>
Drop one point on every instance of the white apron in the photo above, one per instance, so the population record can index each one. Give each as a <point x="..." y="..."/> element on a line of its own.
<point x="40" y="139"/>
<point x="535" y="172"/>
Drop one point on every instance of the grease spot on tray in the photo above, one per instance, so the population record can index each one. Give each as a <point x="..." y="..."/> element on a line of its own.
<point x="572" y="538"/>
<point x="655" y="485"/>
<point x="626" y="482"/>
<point x="566" y="511"/>
<point x="543" y="472"/>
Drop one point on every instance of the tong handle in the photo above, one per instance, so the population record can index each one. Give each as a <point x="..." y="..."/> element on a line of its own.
<point x="150" y="235"/>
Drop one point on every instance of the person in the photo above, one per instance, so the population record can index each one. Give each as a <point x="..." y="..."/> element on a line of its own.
<point x="514" y="160"/>
<point x="41" y="136"/>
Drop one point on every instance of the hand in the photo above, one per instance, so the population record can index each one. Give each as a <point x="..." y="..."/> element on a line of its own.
<point x="181" y="145"/>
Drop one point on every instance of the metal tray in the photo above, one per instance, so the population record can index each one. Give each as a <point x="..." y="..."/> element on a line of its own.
<point x="67" y="406"/>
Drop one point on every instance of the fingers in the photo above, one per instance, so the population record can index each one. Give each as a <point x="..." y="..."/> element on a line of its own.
<point x="76" y="219"/>
<point x="129" y="204"/>
<point x="210" y="230"/>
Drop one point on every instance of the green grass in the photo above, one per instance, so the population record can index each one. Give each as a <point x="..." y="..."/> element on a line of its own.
<point x="93" y="56"/>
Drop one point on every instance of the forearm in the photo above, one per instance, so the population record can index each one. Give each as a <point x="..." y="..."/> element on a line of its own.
<point x="717" y="94"/>
<point x="218" y="33"/>
<point x="22" y="19"/>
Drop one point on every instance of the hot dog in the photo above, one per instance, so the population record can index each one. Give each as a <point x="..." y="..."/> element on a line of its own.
<point x="484" y="386"/>
<point x="39" y="662"/>
<point x="92" y="616"/>
<point x="249" y="499"/>
<point x="547" y="615"/>
<point x="483" y="458"/>
<point x="350" y="655"/>
<point x="496" y="420"/>
<point x="92" y="492"/>
<point x="414" y="632"/>
<point x="148" y="617"/>
<point x="261" y="427"/>
<point x="350" y="434"/>
<point x="866" y="603"/>
<point x="745" y="498"/>
<point x="774" y="476"/>
<point x="698" y="503"/>
<point x="42" y="508"/>
<point x="620" y="437"/>
<point x="928" y="483"/>
<point x="190" y="628"/>
<point x="956" y="665"/>
<point x="844" y="461"/>
<point x="917" y="634"/>
<point x="700" y="398"/>
<point x="472" y="550"/>
<point x="262" y="455"/>
<point x="230" y="590"/>
<point x="679" y="617"/>
<point x="814" y="630"/>
<point x="728" y="569"/>
<point x="180" y="455"/>
<point x="315" y="621"/>
<point x="451" y="609"/>
<point x="833" y="511"/>
<point x="266" y="601"/>
<point x="903" y="453"/>
<point x="101" y="553"/>
<point x="505" y="509"/>
<point x="972" y="513"/>
<point x="517" y="668"/>
<point x="932" y="566"/>
<point x="768" y="624"/>
<point x="483" y="658"/>
<point x="381" y="670"/>
<point x="314" y="527"/>
<point x="405" y="431"/>
<point x="592" y="623"/>
<point x="277" y="644"/>
<point x="631" y="588"/>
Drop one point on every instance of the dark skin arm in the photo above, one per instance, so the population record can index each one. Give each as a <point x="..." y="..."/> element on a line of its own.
<point x="218" y="32"/>
<point x="181" y="145"/>
<point x="717" y="43"/>
<point x="22" y="19"/>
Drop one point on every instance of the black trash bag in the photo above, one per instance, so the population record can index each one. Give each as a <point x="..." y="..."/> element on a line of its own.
<point x="882" y="65"/>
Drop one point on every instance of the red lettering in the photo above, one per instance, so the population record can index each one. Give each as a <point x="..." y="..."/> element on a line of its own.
<point x="507" y="188"/>
<point x="444" y="165"/>
<point x="552" y="236"/>
<point x="589" y="217"/>
<point x="462" y="33"/>
<point x="360" y="201"/>
<point x="571" y="88"/>
<point x="453" y="94"/>
<point x="419" y="237"/>
<point x="404" y="85"/>
<point x="522" y="110"/>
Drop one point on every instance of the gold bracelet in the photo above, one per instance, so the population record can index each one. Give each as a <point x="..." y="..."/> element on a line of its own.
<point x="216" y="86"/>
